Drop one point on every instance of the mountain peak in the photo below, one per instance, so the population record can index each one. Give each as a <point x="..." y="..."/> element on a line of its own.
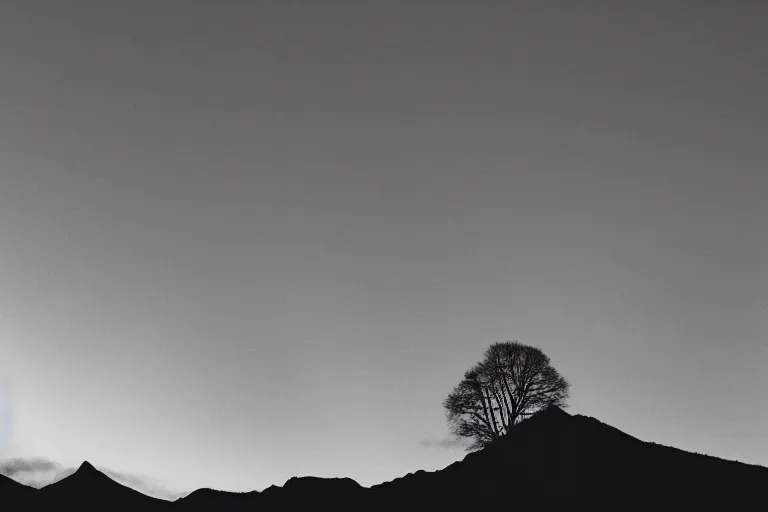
<point x="87" y="467"/>
<point x="554" y="410"/>
<point x="320" y="483"/>
<point x="550" y="415"/>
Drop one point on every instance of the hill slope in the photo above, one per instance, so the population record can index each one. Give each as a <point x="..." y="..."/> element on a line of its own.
<point x="555" y="459"/>
<point x="13" y="494"/>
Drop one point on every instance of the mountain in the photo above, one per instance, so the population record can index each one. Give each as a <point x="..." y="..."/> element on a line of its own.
<point x="211" y="499"/>
<point x="556" y="460"/>
<point x="297" y="492"/>
<point x="13" y="494"/>
<point x="88" y="489"/>
<point x="551" y="461"/>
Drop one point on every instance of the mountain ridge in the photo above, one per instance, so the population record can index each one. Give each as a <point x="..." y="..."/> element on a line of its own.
<point x="570" y="459"/>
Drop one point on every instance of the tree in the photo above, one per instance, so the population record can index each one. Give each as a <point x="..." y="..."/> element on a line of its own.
<point x="512" y="382"/>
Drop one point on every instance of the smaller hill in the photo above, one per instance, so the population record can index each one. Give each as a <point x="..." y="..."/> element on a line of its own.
<point x="211" y="499"/>
<point x="297" y="492"/>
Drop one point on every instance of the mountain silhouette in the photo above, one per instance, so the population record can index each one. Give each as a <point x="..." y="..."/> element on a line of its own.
<point x="14" y="495"/>
<point x="551" y="461"/>
<point x="556" y="460"/>
<point x="211" y="499"/>
<point x="297" y="492"/>
<point x="89" y="489"/>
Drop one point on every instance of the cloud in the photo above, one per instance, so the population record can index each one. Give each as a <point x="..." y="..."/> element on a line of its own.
<point x="11" y="467"/>
<point x="36" y="472"/>
<point x="444" y="442"/>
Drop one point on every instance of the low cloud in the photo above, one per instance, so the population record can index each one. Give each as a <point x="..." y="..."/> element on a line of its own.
<point x="12" y="467"/>
<point x="39" y="472"/>
<point x="444" y="442"/>
<point x="35" y="472"/>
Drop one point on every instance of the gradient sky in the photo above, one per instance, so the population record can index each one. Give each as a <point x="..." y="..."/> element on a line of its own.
<point x="242" y="241"/>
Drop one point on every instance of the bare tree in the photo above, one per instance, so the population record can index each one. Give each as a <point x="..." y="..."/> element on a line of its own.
<point x="512" y="382"/>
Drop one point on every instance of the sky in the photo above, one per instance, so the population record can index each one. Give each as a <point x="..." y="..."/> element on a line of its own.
<point x="245" y="241"/>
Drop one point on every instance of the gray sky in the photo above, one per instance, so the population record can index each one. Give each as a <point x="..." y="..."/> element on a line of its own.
<point x="242" y="241"/>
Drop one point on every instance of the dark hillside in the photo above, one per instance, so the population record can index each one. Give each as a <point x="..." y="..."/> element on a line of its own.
<point x="555" y="459"/>
<point x="14" y="494"/>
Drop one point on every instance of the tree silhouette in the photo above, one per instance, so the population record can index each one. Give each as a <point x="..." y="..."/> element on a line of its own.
<point x="512" y="382"/>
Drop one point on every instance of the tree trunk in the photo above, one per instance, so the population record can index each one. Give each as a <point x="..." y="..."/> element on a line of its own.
<point x="493" y="415"/>
<point x="511" y="408"/>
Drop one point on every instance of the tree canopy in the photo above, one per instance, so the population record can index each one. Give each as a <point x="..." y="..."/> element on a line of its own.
<point x="512" y="382"/>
